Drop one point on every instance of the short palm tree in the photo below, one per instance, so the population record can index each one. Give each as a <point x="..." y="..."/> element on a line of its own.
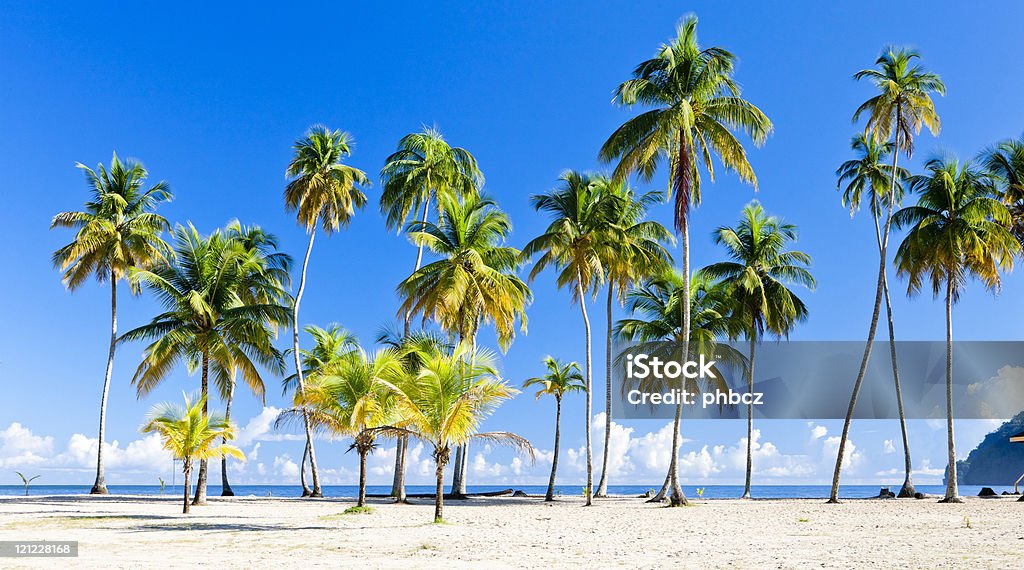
<point x="868" y="178"/>
<point x="634" y="252"/>
<point x="331" y="344"/>
<point x="1005" y="163"/>
<point x="560" y="379"/>
<point x="116" y="232"/>
<point x="657" y="327"/>
<point x="423" y="169"/>
<point x="695" y="107"/>
<point x="191" y="434"/>
<point x="473" y="283"/>
<point x="210" y="321"/>
<point x="901" y="108"/>
<point x="323" y="193"/>
<point x="958" y="229"/>
<point x="354" y="396"/>
<point x="758" y="278"/>
<point x="573" y="244"/>
<point x="446" y="403"/>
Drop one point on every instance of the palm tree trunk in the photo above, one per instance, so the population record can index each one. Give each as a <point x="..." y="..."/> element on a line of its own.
<point x="676" y="496"/>
<point x="316" y="492"/>
<point x="225" y="487"/>
<point x="750" y="414"/>
<point x="462" y="458"/>
<point x="589" y="492"/>
<point x="362" y="478"/>
<point x="200" y="497"/>
<point x="100" y="486"/>
<point x="879" y="293"/>
<point x="602" y="486"/>
<point x="402" y="445"/>
<point x="188" y="473"/>
<point x="439" y="492"/>
<point x="302" y="471"/>
<point x="550" y="495"/>
<point x="457" y="471"/>
<point x="952" y="490"/>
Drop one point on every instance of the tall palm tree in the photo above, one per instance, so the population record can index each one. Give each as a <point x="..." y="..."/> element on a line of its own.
<point x="634" y="252"/>
<point x="560" y="379"/>
<point x="958" y="229"/>
<point x="331" y="344"/>
<point x="354" y="396"/>
<point x="901" y="108"/>
<point x="473" y="283"/>
<point x="116" y="232"/>
<point x="267" y="281"/>
<point x="574" y="245"/>
<point x="322" y="192"/>
<point x="190" y="434"/>
<point x="695" y="107"/>
<point x="209" y="322"/>
<point x="424" y="168"/>
<point x="757" y="277"/>
<point x="657" y="327"/>
<point x="868" y="178"/>
<point x="445" y="405"/>
<point x="1005" y="163"/>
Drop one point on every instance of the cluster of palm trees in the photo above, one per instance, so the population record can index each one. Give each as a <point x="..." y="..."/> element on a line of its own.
<point x="966" y="223"/>
<point x="225" y="295"/>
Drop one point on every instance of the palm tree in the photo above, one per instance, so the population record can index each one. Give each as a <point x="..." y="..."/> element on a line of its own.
<point x="473" y="283"/>
<point x="657" y="327"/>
<point x="574" y="244"/>
<point x="116" y="232"/>
<point x="959" y="229"/>
<point x="695" y="105"/>
<point x="268" y="279"/>
<point x="424" y="168"/>
<point x="190" y="434"/>
<point x="26" y="480"/>
<point x="210" y="321"/>
<point x="902" y="107"/>
<point x="331" y="344"/>
<point x="634" y="251"/>
<point x="447" y="402"/>
<point x="561" y="379"/>
<point x="353" y="396"/>
<point x="868" y="177"/>
<point x="322" y="192"/>
<point x="757" y="278"/>
<point x="1005" y="163"/>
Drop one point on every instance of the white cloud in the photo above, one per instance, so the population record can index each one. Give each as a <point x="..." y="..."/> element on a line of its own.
<point x="19" y="447"/>
<point x="888" y="447"/>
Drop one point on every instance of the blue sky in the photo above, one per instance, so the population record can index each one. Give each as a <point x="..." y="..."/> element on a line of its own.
<point x="211" y="98"/>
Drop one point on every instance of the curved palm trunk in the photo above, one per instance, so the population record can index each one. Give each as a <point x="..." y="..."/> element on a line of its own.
<point x="750" y="415"/>
<point x="302" y="471"/>
<point x="952" y="490"/>
<point x="316" y="492"/>
<point x="550" y="495"/>
<point x="100" y="486"/>
<point x="200" y="498"/>
<point x="676" y="496"/>
<point x="907" y="490"/>
<point x="362" y="478"/>
<point x="602" y="486"/>
<point x="402" y="445"/>
<point x="188" y="473"/>
<point x="589" y="492"/>
<point x="225" y="487"/>
<point x="439" y="491"/>
<point x="879" y="293"/>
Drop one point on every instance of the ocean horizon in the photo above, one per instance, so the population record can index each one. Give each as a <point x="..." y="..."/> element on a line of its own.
<point x="350" y="491"/>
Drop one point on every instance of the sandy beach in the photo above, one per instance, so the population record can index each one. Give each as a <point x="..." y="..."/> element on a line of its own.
<point x="135" y="532"/>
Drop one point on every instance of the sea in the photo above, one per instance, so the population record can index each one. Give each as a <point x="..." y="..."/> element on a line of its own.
<point x="350" y="491"/>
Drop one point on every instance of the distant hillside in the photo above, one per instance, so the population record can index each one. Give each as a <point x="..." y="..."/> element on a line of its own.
<point x="995" y="461"/>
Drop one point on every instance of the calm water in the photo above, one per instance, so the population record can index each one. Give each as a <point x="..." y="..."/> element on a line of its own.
<point x="345" y="491"/>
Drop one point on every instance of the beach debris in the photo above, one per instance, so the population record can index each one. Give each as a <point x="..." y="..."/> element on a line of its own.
<point x="519" y="494"/>
<point x="920" y="496"/>
<point x="885" y="493"/>
<point x="987" y="492"/>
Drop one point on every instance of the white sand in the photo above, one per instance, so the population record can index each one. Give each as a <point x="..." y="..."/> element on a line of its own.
<point x="147" y="532"/>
